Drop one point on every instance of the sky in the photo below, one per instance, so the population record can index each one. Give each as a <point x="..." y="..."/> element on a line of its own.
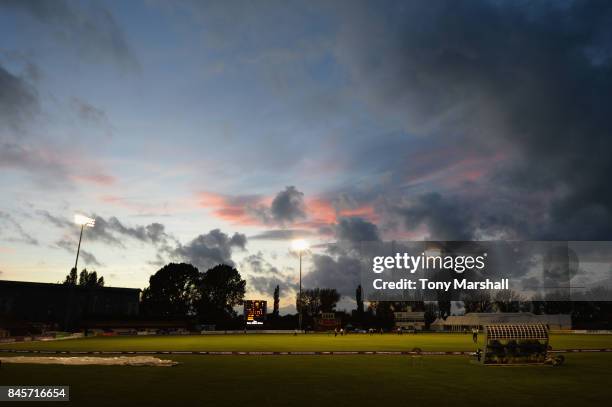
<point x="218" y="131"/>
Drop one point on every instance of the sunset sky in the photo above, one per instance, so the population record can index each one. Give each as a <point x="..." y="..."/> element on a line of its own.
<point x="218" y="131"/>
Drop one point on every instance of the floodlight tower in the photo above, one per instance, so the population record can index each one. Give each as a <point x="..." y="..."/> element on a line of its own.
<point x="300" y="245"/>
<point x="83" y="221"/>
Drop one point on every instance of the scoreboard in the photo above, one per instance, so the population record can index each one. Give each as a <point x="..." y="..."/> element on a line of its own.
<point x="255" y="311"/>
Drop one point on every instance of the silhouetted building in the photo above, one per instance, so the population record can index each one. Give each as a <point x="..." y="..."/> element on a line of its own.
<point x="409" y="320"/>
<point x="63" y="306"/>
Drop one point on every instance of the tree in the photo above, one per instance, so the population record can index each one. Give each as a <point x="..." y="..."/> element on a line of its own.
<point x="71" y="278"/>
<point x="328" y="298"/>
<point x="478" y="301"/>
<point x="173" y="291"/>
<point x="276" y="301"/>
<point x="359" y="300"/>
<point x="221" y="289"/>
<point x="430" y="313"/>
<point x="384" y="313"/>
<point x="317" y="300"/>
<point x="86" y="279"/>
<point x="508" y="301"/>
<point x="444" y="308"/>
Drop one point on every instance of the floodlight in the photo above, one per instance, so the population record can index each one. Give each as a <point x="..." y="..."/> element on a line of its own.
<point x="299" y="245"/>
<point x="84" y="220"/>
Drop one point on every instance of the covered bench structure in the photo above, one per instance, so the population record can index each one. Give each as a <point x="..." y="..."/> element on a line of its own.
<point x="512" y="344"/>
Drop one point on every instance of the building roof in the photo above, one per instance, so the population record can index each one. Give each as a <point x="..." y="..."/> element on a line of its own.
<point x="487" y="318"/>
<point x="516" y="331"/>
<point x="410" y="314"/>
<point x="31" y="284"/>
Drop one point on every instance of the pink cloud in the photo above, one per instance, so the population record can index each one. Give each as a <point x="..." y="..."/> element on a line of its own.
<point x="97" y="179"/>
<point x="322" y="212"/>
<point x="234" y="209"/>
<point x="246" y="210"/>
<point x="450" y="173"/>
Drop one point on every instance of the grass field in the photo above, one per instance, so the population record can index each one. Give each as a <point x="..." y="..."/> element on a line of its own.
<point x="310" y="342"/>
<point x="583" y="380"/>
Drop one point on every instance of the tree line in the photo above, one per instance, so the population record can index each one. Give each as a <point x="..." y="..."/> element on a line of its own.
<point x="181" y="291"/>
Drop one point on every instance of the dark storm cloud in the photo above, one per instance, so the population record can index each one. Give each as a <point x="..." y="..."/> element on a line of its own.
<point x="355" y="229"/>
<point x="94" y="32"/>
<point x="341" y="272"/>
<point x="446" y="219"/>
<point x="18" y="101"/>
<point x="286" y="207"/>
<point x="529" y="80"/>
<point x="340" y="266"/>
<point x="210" y="249"/>
<point x="12" y="231"/>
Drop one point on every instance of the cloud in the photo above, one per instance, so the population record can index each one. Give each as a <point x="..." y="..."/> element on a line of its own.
<point x="340" y="266"/>
<point x="356" y="229"/>
<point x="210" y="249"/>
<point x="25" y="147"/>
<point x="112" y="231"/>
<point x="288" y="206"/>
<point x="266" y="284"/>
<point x="285" y="208"/>
<point x="18" y="101"/>
<point x="529" y="81"/>
<point x="91" y="114"/>
<point x="204" y="251"/>
<point x="153" y="233"/>
<point x="263" y="277"/>
<point x="50" y="167"/>
<point x="282" y="234"/>
<point x="71" y="246"/>
<point x="235" y="209"/>
<point x="342" y="273"/>
<point x="58" y="221"/>
<point x="12" y="231"/>
<point x="257" y="264"/>
<point x="444" y="217"/>
<point x="93" y="32"/>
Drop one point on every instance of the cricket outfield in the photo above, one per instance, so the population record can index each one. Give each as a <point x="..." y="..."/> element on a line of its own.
<point x="347" y="380"/>
<point x="288" y="342"/>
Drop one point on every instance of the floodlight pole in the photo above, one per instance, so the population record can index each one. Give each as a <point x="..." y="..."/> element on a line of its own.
<point x="300" y="297"/>
<point x="78" y="249"/>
